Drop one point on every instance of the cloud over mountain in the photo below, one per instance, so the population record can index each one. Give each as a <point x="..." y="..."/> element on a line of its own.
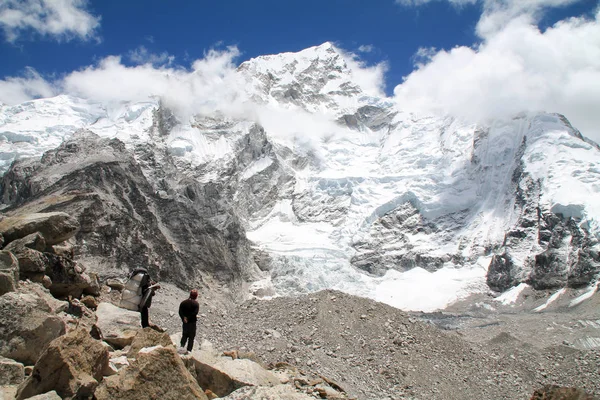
<point x="516" y="67"/>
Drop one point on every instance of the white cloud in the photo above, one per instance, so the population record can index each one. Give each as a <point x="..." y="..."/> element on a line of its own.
<point x="61" y="19"/>
<point x="210" y="84"/>
<point x="366" y="48"/>
<point x="14" y="90"/>
<point x="517" y="67"/>
<point x="141" y="55"/>
<point x="370" y="78"/>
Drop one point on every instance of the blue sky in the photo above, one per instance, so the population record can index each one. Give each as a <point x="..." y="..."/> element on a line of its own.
<point x="513" y="54"/>
<point x="186" y="29"/>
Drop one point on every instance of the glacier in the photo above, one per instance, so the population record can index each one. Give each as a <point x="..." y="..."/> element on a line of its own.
<point x="342" y="189"/>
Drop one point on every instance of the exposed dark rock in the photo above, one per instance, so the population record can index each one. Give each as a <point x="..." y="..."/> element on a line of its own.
<point x="500" y="276"/>
<point x="124" y="223"/>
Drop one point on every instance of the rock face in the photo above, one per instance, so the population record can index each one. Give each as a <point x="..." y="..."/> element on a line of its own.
<point x="124" y="222"/>
<point x="9" y="272"/>
<point x="72" y="365"/>
<point x="29" y="321"/>
<point x="156" y="374"/>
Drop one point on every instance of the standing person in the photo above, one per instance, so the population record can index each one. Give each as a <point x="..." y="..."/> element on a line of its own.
<point x="148" y="287"/>
<point x="188" y="311"/>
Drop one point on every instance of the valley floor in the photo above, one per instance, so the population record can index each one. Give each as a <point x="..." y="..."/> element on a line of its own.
<point x="374" y="351"/>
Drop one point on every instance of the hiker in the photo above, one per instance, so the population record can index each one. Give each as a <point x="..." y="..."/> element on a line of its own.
<point x="148" y="287"/>
<point x="188" y="311"/>
<point x="137" y="294"/>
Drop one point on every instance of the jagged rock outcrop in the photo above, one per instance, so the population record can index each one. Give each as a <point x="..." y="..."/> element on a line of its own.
<point x="156" y="373"/>
<point x="72" y="365"/>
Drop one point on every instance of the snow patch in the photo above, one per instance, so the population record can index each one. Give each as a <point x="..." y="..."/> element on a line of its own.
<point x="256" y="167"/>
<point x="511" y="296"/>
<point x="591" y="290"/>
<point x="569" y="210"/>
<point x="420" y="290"/>
<point x="550" y="300"/>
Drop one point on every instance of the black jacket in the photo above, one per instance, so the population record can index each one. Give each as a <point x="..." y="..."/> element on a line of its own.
<point x="189" y="308"/>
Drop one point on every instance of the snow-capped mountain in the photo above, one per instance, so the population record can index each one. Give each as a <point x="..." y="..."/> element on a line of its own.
<point x="338" y="188"/>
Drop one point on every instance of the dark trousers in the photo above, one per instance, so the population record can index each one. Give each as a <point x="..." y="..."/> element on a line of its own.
<point x="189" y="333"/>
<point x="144" y="312"/>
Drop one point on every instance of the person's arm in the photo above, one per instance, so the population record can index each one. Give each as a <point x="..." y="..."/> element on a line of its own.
<point x="196" y="309"/>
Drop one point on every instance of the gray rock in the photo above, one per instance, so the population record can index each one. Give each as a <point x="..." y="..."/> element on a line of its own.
<point x="223" y="375"/>
<point x="29" y="321"/>
<point x="55" y="227"/>
<point x="46" y="396"/>
<point x="117" y="326"/>
<point x="11" y="372"/>
<point x="280" y="392"/>
<point x="34" y="241"/>
<point x="9" y="272"/>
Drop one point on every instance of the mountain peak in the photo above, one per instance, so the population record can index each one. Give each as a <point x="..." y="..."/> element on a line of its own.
<point x="308" y="78"/>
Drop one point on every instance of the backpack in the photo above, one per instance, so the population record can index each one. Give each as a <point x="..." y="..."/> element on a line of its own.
<point x="136" y="294"/>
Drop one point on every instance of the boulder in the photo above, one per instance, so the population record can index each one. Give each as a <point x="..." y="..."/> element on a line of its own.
<point x="117" y="326"/>
<point x="32" y="263"/>
<point x="553" y="392"/>
<point x="9" y="272"/>
<point x="156" y="373"/>
<point x="29" y="321"/>
<point x="68" y="277"/>
<point x="223" y="375"/>
<point x="280" y="392"/>
<point x="90" y="302"/>
<point x="46" y="396"/>
<point x="33" y="241"/>
<point x="148" y="337"/>
<point x="72" y="365"/>
<point x="55" y="227"/>
<point x="11" y="372"/>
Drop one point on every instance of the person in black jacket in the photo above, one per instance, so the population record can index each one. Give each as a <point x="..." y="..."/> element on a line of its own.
<point x="188" y="311"/>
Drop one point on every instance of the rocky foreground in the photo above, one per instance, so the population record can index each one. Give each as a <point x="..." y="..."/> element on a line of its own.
<point x="62" y="336"/>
